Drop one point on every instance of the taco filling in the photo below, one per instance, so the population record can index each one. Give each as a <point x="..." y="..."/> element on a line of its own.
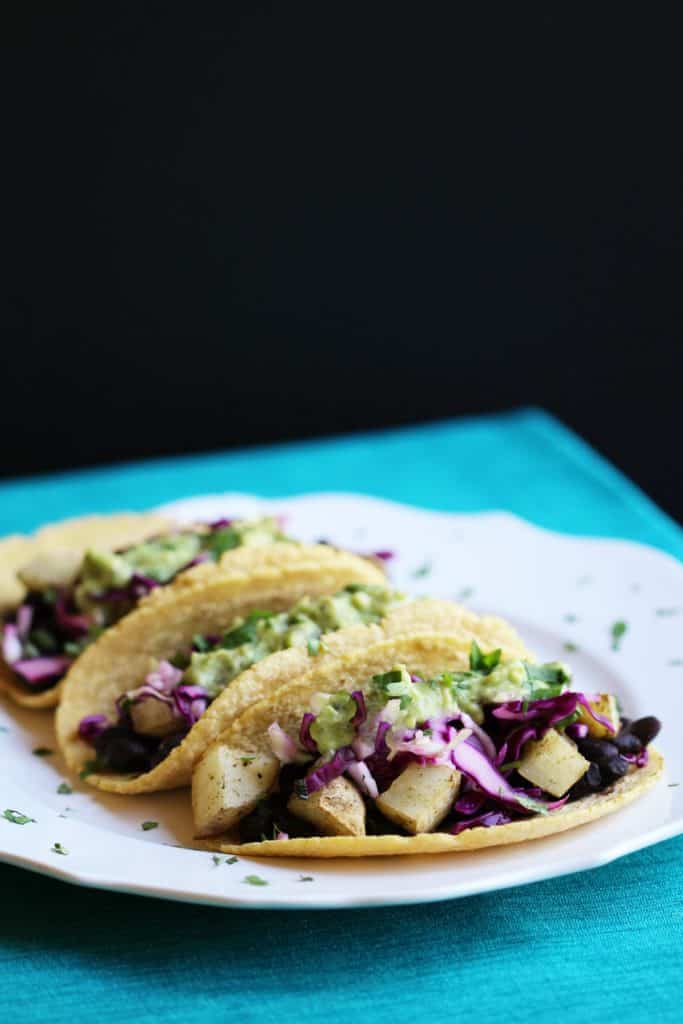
<point x="54" y="624"/>
<point x="405" y="755"/>
<point x="156" y="716"/>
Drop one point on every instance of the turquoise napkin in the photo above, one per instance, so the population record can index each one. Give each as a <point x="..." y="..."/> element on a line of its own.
<point x="598" y="946"/>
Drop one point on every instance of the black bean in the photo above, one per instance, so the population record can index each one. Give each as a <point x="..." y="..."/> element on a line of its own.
<point x="646" y="729"/>
<point x="627" y="743"/>
<point x="599" y="751"/>
<point x="166" y="745"/>
<point x="590" y="782"/>
<point x="624" y="723"/>
<point x="616" y="767"/>
<point x="120" y="750"/>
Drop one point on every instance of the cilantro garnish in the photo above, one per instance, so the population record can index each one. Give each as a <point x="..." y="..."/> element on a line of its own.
<point x="306" y="878"/>
<point x="570" y="646"/>
<point x="465" y="593"/>
<point x="314" y="646"/>
<point x="43" y="752"/>
<point x="64" y="789"/>
<point x="147" y="825"/>
<point x="667" y="612"/>
<point x="221" y="541"/>
<point x="216" y="859"/>
<point x="422" y="570"/>
<point x="232" y="860"/>
<point x="3" y="728"/>
<point x="58" y="848"/>
<point x="247" y="632"/>
<point x="509" y="766"/>
<point x="570" y="617"/>
<point x="200" y="643"/>
<point x="617" y="632"/>
<point x="480" y="662"/>
<point x="88" y="769"/>
<point x="254" y="880"/>
<point x="17" y="818"/>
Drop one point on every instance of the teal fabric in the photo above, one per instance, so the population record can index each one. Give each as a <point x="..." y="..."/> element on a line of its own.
<point x="598" y="946"/>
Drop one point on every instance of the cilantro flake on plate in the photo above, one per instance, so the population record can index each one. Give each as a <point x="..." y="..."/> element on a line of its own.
<point x="254" y="880"/>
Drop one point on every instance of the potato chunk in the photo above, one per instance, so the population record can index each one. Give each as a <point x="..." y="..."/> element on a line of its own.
<point x="53" y="568"/>
<point x="552" y="763"/>
<point x="337" y="809"/>
<point x="421" y="797"/>
<point x="152" y="717"/>
<point x="606" y="705"/>
<point x="227" y="784"/>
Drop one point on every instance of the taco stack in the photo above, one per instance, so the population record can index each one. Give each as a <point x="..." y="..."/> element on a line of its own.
<point x="419" y="744"/>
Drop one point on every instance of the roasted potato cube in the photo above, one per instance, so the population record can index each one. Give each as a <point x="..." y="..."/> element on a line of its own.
<point x="152" y="717"/>
<point x="606" y="705"/>
<point x="421" y="797"/>
<point x="55" y="568"/>
<point x="227" y="784"/>
<point x="337" y="809"/>
<point x="552" y="763"/>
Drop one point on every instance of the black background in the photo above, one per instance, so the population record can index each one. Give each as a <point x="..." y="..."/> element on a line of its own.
<point x="237" y="223"/>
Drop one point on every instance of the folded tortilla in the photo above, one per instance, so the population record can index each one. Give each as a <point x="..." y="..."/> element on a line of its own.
<point x="427" y="655"/>
<point x="206" y="600"/>
<point x="57" y="547"/>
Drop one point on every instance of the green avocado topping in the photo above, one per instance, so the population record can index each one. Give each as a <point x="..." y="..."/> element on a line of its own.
<point x="262" y="633"/>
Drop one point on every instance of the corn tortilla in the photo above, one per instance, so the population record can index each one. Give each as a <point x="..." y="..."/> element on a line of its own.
<point x="426" y="655"/>
<point x="205" y="599"/>
<point x="72" y="536"/>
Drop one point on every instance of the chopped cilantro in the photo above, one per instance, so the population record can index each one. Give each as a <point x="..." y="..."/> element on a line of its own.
<point x="216" y="859"/>
<point x="509" y="766"/>
<point x="570" y="646"/>
<point x="676" y="661"/>
<point x="570" y="617"/>
<point x="465" y="593"/>
<point x="200" y="643"/>
<point x="667" y="612"/>
<point x="422" y="570"/>
<point x="222" y="540"/>
<point x="480" y="662"/>
<point x="147" y="825"/>
<point x="617" y="632"/>
<point x="58" y="848"/>
<point x="64" y="789"/>
<point x="673" y="785"/>
<point x="254" y="880"/>
<point x="88" y="769"/>
<point x="17" y="818"/>
<point x="247" y="632"/>
<point x="314" y="646"/>
<point x="232" y="860"/>
<point x="306" y="878"/>
<point x="43" y="751"/>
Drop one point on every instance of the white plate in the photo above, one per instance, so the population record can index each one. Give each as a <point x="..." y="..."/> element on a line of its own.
<point x="556" y="589"/>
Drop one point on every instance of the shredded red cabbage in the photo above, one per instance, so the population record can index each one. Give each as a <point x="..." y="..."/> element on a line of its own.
<point x="326" y="773"/>
<point x="70" y="622"/>
<point x="361" y="710"/>
<point x="40" y="670"/>
<point x="92" y="726"/>
<point x="487" y="820"/>
<point x="190" y="702"/>
<point x="24" y="620"/>
<point x="305" y="738"/>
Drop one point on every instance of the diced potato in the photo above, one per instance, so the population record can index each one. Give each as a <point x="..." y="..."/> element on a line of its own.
<point x="421" y="797"/>
<point x="552" y="763"/>
<point x="54" y="568"/>
<point x="337" y="809"/>
<point x="153" y="717"/>
<point x="227" y="784"/>
<point x="605" y="704"/>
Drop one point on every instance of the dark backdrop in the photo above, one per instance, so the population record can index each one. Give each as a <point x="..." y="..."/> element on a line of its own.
<point x="238" y="223"/>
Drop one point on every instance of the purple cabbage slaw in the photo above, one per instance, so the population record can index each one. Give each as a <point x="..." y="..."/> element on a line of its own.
<point x="486" y="797"/>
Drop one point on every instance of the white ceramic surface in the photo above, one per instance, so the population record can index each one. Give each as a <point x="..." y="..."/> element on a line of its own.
<point x="558" y="591"/>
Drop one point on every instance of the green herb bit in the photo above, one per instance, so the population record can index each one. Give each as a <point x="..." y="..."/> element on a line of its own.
<point x="254" y="880"/>
<point x="306" y="878"/>
<point x="314" y="646"/>
<point x="422" y="571"/>
<point x="665" y="613"/>
<point x="64" y="789"/>
<point x="676" y="661"/>
<point x="58" y="848"/>
<point x="673" y="785"/>
<point x="570" y="617"/>
<point x="465" y="593"/>
<point x="480" y="662"/>
<point x="17" y="818"/>
<point x="200" y="643"/>
<point x="570" y="646"/>
<point x="247" y="759"/>
<point x="617" y="632"/>
<point x="147" y="825"/>
<point x="232" y="860"/>
<point x="3" y="728"/>
<point x="509" y="766"/>
<point x="88" y="769"/>
<point x="43" y="752"/>
<point x="216" y="859"/>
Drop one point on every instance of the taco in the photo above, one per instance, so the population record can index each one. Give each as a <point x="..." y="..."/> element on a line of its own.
<point x="39" y="625"/>
<point x="141" y="706"/>
<point x="419" y="744"/>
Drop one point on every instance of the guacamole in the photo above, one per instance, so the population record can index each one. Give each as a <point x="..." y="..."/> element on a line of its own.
<point x="262" y="633"/>
<point x="162" y="558"/>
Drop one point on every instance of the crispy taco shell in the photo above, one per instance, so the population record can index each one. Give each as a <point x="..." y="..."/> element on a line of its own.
<point x="425" y="655"/>
<point x="56" y="547"/>
<point x="205" y="599"/>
